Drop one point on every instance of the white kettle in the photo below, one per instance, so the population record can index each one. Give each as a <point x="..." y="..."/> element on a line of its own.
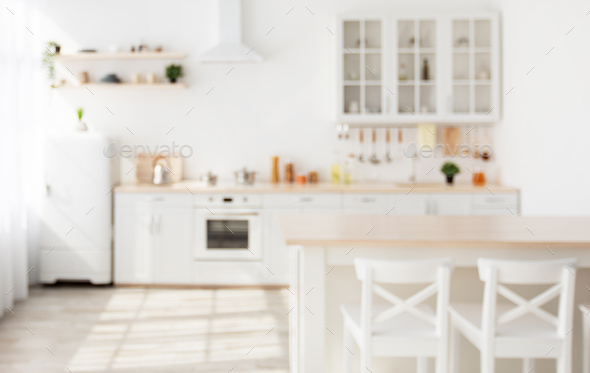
<point x="162" y="174"/>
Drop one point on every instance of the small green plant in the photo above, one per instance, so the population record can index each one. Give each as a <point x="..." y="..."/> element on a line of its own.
<point x="450" y="169"/>
<point x="174" y="72"/>
<point x="49" y="61"/>
<point x="80" y="113"/>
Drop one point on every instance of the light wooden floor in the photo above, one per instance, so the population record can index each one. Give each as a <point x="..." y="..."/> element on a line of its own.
<point x="103" y="329"/>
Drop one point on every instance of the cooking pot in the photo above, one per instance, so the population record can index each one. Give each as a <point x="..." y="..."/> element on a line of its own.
<point x="244" y="177"/>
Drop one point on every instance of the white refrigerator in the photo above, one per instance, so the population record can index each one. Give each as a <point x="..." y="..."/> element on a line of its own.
<point x="76" y="217"/>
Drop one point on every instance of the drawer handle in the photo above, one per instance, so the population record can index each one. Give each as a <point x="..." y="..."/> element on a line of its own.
<point x="303" y="199"/>
<point x="368" y="200"/>
<point x="153" y="199"/>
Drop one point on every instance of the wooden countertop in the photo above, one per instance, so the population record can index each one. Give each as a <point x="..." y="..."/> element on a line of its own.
<point x="436" y="231"/>
<point x="196" y="187"/>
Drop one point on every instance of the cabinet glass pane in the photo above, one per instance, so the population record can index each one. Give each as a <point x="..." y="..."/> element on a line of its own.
<point x="372" y="34"/>
<point x="427" y="66"/>
<point x="427" y="34"/>
<point x="352" y="99"/>
<point x="373" y="99"/>
<point x="461" y="99"/>
<point x="352" y="67"/>
<point x="483" y="98"/>
<point x="427" y="99"/>
<point x="406" y="99"/>
<point x="482" y="33"/>
<point x="483" y="66"/>
<point x="406" y="67"/>
<point x="352" y="34"/>
<point x="461" y="34"/>
<point x="373" y="66"/>
<point x="460" y="66"/>
<point x="406" y="34"/>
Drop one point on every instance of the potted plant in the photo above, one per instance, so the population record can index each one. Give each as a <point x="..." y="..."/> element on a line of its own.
<point x="174" y="72"/>
<point x="49" y="54"/>
<point x="81" y="125"/>
<point x="450" y="169"/>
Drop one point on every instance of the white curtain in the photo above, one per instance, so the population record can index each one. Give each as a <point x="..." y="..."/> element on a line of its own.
<point x="20" y="79"/>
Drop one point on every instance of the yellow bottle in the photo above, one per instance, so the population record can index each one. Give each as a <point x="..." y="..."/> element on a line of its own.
<point x="335" y="174"/>
<point x="336" y="170"/>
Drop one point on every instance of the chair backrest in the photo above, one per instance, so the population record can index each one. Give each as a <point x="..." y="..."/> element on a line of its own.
<point x="495" y="273"/>
<point x="435" y="271"/>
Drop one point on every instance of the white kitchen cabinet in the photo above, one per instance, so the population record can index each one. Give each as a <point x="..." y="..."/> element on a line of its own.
<point x="449" y="204"/>
<point x="366" y="203"/>
<point x="152" y="238"/>
<point x="418" y="68"/>
<point x="408" y="204"/>
<point x="134" y="245"/>
<point x="172" y="249"/>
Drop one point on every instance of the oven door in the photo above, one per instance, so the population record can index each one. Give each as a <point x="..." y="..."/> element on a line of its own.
<point x="233" y="234"/>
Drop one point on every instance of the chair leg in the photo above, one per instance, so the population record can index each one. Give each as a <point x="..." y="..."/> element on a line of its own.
<point x="422" y="365"/>
<point x="527" y="365"/>
<point x="366" y="360"/>
<point x="346" y="352"/>
<point x="488" y="363"/>
<point x="454" y="351"/>
<point x="564" y="362"/>
<point x="586" y="343"/>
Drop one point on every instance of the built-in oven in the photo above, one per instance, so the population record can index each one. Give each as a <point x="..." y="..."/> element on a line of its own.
<point x="228" y="228"/>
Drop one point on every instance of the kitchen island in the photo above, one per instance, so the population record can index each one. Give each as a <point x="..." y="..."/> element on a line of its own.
<point x="320" y="243"/>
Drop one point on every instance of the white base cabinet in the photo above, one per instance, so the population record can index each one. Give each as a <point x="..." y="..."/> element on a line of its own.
<point x="156" y="239"/>
<point x="152" y="239"/>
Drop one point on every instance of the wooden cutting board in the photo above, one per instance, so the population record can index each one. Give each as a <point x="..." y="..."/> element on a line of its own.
<point x="145" y="168"/>
<point x="451" y="139"/>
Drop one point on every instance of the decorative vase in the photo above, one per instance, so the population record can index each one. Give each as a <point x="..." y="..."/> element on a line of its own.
<point x="81" y="126"/>
<point x="172" y="80"/>
<point x="450" y="179"/>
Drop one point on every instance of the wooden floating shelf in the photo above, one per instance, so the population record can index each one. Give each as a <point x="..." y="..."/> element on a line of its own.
<point x="130" y="86"/>
<point x="121" y="56"/>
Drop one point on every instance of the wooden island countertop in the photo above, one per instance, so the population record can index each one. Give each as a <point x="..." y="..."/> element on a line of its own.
<point x="436" y="231"/>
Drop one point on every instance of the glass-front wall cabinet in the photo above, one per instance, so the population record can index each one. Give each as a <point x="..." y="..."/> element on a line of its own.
<point x="416" y="66"/>
<point x="362" y="67"/>
<point x="410" y="69"/>
<point x="473" y="73"/>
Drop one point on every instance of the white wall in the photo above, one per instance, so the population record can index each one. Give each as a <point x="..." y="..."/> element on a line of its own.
<point x="283" y="106"/>
<point x="543" y="139"/>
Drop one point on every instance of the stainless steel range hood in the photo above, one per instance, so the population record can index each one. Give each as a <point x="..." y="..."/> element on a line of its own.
<point x="230" y="47"/>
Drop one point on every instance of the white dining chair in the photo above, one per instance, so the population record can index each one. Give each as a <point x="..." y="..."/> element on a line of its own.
<point x="524" y="331"/>
<point x="399" y="328"/>
<point x="585" y="308"/>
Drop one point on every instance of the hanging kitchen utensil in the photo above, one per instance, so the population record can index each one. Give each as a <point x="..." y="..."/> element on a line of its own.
<point x="388" y="156"/>
<point x="374" y="160"/>
<point x="475" y="145"/>
<point x="486" y="154"/>
<point x="339" y="131"/>
<point x="362" y="158"/>
<point x="345" y="129"/>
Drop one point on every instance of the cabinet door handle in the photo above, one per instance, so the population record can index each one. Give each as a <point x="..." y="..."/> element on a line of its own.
<point x="368" y="200"/>
<point x="157" y="224"/>
<point x="153" y="199"/>
<point x="303" y="199"/>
